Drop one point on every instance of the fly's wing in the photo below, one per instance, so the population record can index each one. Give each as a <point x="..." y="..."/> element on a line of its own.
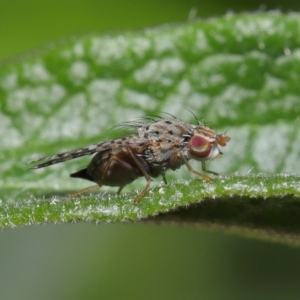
<point x="160" y="129"/>
<point x="104" y="147"/>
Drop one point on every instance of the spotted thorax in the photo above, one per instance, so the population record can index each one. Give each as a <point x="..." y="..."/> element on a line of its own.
<point x="158" y="144"/>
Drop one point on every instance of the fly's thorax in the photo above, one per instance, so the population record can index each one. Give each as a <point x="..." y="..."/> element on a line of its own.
<point x="158" y="151"/>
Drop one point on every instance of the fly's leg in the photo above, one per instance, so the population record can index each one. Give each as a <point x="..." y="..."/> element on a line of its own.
<point x="208" y="171"/>
<point x="115" y="158"/>
<point x="207" y="178"/>
<point x="142" y="169"/>
<point x="90" y="188"/>
<point x="120" y="189"/>
<point x="100" y="183"/>
<point x="164" y="178"/>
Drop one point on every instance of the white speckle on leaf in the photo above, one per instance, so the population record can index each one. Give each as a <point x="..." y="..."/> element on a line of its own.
<point x="162" y="72"/>
<point x="201" y="43"/>
<point x="269" y="153"/>
<point x="36" y="72"/>
<point x="104" y="90"/>
<point x="225" y="104"/>
<point x="107" y="51"/>
<point x="103" y="95"/>
<point x="141" y="100"/>
<point x="140" y="46"/>
<point x="43" y="97"/>
<point x="161" y="191"/>
<point x="10" y="137"/>
<point x="78" y="71"/>
<point x="193" y="102"/>
<point x="261" y="46"/>
<point x="287" y="51"/>
<point x="9" y="81"/>
<point x="78" y="49"/>
<point x="248" y="29"/>
<point x="292" y="161"/>
<point x="162" y="44"/>
<point x="68" y="122"/>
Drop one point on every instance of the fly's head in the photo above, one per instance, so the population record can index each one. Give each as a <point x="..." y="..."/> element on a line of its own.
<point x="203" y="144"/>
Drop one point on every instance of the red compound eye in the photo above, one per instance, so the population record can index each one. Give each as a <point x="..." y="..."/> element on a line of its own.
<point x="199" y="146"/>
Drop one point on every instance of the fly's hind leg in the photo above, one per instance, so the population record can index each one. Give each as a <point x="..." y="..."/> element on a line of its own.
<point x="116" y="159"/>
<point x="90" y="188"/>
<point x="142" y="169"/>
<point x="100" y="183"/>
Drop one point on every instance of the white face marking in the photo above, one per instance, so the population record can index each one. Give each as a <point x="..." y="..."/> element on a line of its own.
<point x="215" y="152"/>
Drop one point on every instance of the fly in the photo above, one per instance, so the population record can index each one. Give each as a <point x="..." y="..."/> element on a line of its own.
<point x="158" y="145"/>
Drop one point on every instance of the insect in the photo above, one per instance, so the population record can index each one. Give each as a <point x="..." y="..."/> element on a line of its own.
<point x="158" y="144"/>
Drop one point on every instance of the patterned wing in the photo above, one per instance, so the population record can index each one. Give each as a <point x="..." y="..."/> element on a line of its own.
<point x="104" y="147"/>
<point x="155" y="128"/>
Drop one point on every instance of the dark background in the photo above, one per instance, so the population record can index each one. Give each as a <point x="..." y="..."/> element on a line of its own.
<point x="133" y="261"/>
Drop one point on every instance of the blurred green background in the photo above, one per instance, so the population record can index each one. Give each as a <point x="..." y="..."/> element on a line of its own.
<point x="133" y="261"/>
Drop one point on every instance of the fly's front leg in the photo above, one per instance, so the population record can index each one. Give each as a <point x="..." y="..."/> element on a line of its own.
<point x="142" y="169"/>
<point x="207" y="178"/>
<point x="208" y="171"/>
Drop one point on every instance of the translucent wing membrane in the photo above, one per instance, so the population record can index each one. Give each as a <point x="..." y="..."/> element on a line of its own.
<point x="65" y="156"/>
<point x="128" y="125"/>
<point x="142" y="121"/>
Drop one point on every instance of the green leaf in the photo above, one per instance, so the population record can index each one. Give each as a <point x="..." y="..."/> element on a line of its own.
<point x="240" y="73"/>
